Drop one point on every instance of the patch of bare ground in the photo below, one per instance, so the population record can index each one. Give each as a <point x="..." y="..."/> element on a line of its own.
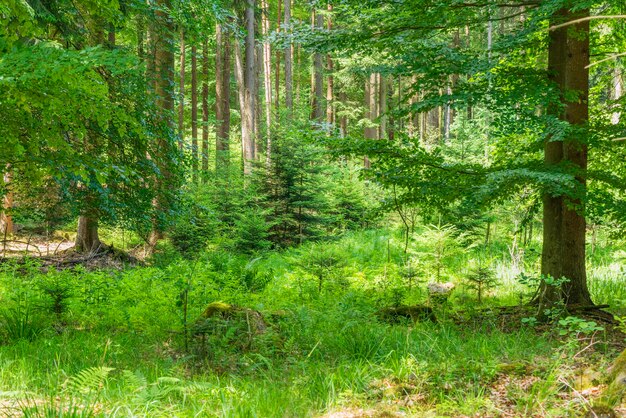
<point x="64" y="257"/>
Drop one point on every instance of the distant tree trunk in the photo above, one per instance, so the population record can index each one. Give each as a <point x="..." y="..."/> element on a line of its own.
<point x="222" y="98"/>
<point x="140" y="29"/>
<point x="617" y="93"/>
<point x="371" y="106"/>
<point x="343" y="119"/>
<point x="258" y="101"/>
<point x="181" y="93"/>
<point x="6" y="219"/>
<point x="267" y="80"/>
<point x="288" y="62"/>
<point x="205" y="109"/>
<point x="330" y="111"/>
<point x="317" y="108"/>
<point x="162" y="30"/>
<point x="563" y="253"/>
<point x="249" y="76"/>
<point x="382" y="106"/>
<point x="194" y="113"/>
<point x="277" y="69"/>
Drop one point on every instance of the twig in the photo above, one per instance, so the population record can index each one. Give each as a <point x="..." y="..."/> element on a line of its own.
<point x="584" y="19"/>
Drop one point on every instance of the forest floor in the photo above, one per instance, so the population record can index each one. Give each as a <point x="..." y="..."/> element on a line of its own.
<point x="123" y="339"/>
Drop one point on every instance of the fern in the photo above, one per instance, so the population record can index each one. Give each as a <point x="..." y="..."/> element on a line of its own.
<point x="88" y="380"/>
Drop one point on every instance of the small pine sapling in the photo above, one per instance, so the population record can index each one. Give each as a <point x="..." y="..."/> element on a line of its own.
<point x="481" y="279"/>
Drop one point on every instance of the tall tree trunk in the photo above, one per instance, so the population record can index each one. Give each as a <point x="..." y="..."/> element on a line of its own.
<point x="162" y="31"/>
<point x="222" y="98"/>
<point x="181" y="93"/>
<point x="194" y="113"/>
<point x="205" y="109"/>
<point x="371" y="106"/>
<point x="563" y="253"/>
<point x="288" y="61"/>
<point x="267" y="80"/>
<point x="277" y="63"/>
<point x="382" y="105"/>
<point x="317" y="108"/>
<point x="249" y="78"/>
<point x="330" y="82"/>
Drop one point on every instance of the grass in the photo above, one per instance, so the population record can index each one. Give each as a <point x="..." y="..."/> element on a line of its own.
<point x="117" y="349"/>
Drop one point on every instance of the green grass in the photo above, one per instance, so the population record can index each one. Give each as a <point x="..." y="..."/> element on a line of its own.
<point x="321" y="352"/>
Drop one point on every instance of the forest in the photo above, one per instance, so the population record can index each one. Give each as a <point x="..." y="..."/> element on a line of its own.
<point x="307" y="208"/>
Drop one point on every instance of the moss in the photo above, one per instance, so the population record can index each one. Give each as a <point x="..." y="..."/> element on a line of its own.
<point x="616" y="380"/>
<point x="216" y="308"/>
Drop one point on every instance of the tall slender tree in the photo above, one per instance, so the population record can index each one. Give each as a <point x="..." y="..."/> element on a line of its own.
<point x="194" y="112"/>
<point x="288" y="60"/>
<point x="222" y="97"/>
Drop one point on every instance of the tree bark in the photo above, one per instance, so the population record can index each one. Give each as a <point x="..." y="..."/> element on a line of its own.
<point x="6" y="219"/>
<point x="205" y="109"/>
<point x="288" y="61"/>
<point x="249" y="76"/>
<point x="194" y="113"/>
<point x="277" y="63"/>
<point x="563" y="253"/>
<point x="330" y="82"/>
<point x="181" y="93"/>
<point x="162" y="30"/>
<point x="87" y="238"/>
<point x="222" y="98"/>
<point x="267" y="81"/>
<point x="317" y="108"/>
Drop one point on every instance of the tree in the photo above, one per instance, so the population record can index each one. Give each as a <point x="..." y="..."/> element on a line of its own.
<point x="564" y="224"/>
<point x="222" y="97"/>
<point x="162" y="29"/>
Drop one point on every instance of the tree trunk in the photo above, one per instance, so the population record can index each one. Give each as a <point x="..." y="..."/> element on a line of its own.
<point x="317" y="108"/>
<point x="617" y="93"/>
<point x="330" y="111"/>
<point x="181" y="93"/>
<point x="87" y="238"/>
<point x="222" y="98"/>
<point x="288" y="62"/>
<point x="277" y="69"/>
<point x="205" y="109"/>
<point x="382" y="106"/>
<point x="267" y="80"/>
<point x="6" y="219"/>
<point x="162" y="31"/>
<point x="563" y="253"/>
<point x="194" y="113"/>
<point x="248" y="114"/>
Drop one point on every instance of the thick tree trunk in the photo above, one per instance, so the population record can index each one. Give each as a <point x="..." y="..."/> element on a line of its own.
<point x="564" y="225"/>
<point x="162" y="31"/>
<point x="222" y="98"/>
<point x="181" y="93"/>
<point x="87" y="238"/>
<point x="288" y="61"/>
<point x="205" y="109"/>
<point x="194" y="113"/>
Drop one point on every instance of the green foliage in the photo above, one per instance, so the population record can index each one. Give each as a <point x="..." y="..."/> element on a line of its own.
<point x="481" y="279"/>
